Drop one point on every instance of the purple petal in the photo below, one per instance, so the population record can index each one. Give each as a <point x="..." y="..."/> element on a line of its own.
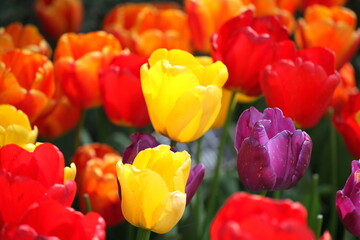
<point x="245" y="124"/>
<point x="195" y="178"/>
<point x="278" y="122"/>
<point x="140" y="141"/>
<point x="254" y="167"/>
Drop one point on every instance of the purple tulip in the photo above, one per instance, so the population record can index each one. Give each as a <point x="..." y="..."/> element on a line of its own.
<point x="348" y="201"/>
<point x="142" y="141"/>
<point x="272" y="154"/>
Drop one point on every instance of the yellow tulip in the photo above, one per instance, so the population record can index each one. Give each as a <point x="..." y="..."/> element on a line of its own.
<point x="70" y="173"/>
<point x="153" y="188"/>
<point x="15" y="127"/>
<point x="183" y="96"/>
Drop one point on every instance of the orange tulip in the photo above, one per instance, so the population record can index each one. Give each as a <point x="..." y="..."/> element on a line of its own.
<point x="21" y="36"/>
<point x="329" y="3"/>
<point x="62" y="117"/>
<point x="26" y="82"/>
<point x="333" y="28"/>
<point x="346" y="88"/>
<point x="270" y="8"/>
<point x="96" y="176"/>
<point x="144" y="28"/>
<point x="290" y="5"/>
<point x="78" y="60"/>
<point x="206" y="17"/>
<point x="59" y="16"/>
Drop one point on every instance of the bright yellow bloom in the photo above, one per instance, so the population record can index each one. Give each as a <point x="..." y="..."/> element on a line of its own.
<point x="15" y="127"/>
<point x="183" y="97"/>
<point x="70" y="173"/>
<point x="153" y="188"/>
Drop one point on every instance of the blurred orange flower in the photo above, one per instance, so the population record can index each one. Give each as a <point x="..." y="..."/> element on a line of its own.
<point x="78" y="60"/>
<point x="26" y="82"/>
<point x="59" y="16"/>
<point x="329" y="3"/>
<point x="144" y="28"/>
<point x="96" y="176"/>
<point x="290" y="5"/>
<point x="60" y="119"/>
<point x="21" y="36"/>
<point x="346" y="87"/>
<point x="206" y="17"/>
<point x="333" y="28"/>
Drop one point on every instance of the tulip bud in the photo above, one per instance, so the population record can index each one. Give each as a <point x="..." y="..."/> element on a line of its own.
<point x="347" y="201"/>
<point x="272" y="154"/>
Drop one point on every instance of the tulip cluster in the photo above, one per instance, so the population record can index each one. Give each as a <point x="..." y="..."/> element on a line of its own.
<point x="139" y="99"/>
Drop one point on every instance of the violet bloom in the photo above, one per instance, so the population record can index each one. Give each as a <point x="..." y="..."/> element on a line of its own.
<point x="272" y="154"/>
<point x="348" y="201"/>
<point x="142" y="141"/>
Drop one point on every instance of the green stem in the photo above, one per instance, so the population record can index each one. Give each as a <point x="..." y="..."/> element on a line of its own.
<point x="143" y="234"/>
<point x="130" y="233"/>
<point x="263" y="193"/>
<point x="277" y="194"/>
<point x="172" y="143"/>
<point x="313" y="207"/>
<point x="318" y="225"/>
<point x="215" y="182"/>
<point x="87" y="202"/>
<point x="79" y="127"/>
<point x="334" y="177"/>
<point x="198" y="197"/>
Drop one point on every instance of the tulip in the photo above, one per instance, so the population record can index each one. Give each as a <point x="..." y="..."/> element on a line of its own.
<point x="182" y="96"/>
<point x="346" y="87"/>
<point x="257" y="38"/>
<point x="144" y="28"/>
<point x="271" y="153"/>
<point x="333" y="28"/>
<point x="59" y="16"/>
<point x="78" y="60"/>
<point x="96" y="165"/>
<point x="51" y="220"/>
<point x="23" y="37"/>
<point x="206" y="17"/>
<point x="243" y="213"/>
<point x="304" y="4"/>
<point x="26" y="82"/>
<point x="61" y="118"/>
<point x="347" y="123"/>
<point x="121" y="91"/>
<point x="289" y="5"/>
<point x="142" y="141"/>
<point x="15" y="127"/>
<point x="153" y="188"/>
<point x="311" y="73"/>
<point x="347" y="201"/>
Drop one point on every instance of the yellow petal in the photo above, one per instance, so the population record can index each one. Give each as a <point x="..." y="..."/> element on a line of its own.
<point x="201" y="105"/>
<point x="70" y="173"/>
<point x="10" y="115"/>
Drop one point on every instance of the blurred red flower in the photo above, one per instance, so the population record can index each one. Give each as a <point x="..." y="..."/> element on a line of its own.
<point x="59" y="16"/>
<point x="243" y="213"/>
<point x="347" y="123"/>
<point x="26" y="82"/>
<point x="96" y="176"/>
<point x="123" y="99"/>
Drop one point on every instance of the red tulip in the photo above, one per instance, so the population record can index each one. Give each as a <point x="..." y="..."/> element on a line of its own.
<point x="347" y="123"/>
<point x="301" y="87"/>
<point x="51" y="220"/>
<point x="122" y="95"/>
<point x="243" y="213"/>
<point x="246" y="44"/>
